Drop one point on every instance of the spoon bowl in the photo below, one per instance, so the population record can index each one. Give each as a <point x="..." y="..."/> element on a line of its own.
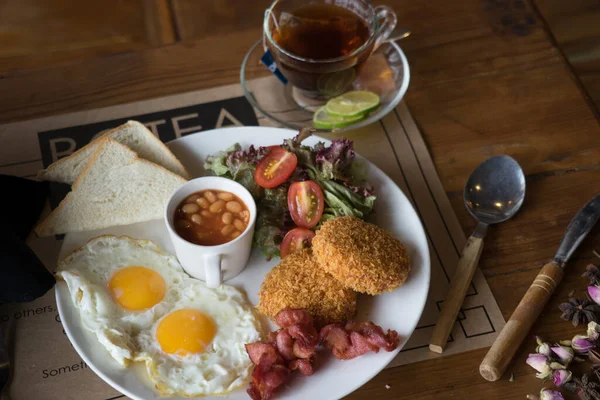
<point x="495" y="190"/>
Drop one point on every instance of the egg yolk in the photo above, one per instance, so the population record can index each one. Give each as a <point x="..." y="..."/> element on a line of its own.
<point x="137" y="288"/>
<point x="185" y="331"/>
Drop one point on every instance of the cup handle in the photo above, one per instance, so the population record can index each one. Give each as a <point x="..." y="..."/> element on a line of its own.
<point x="387" y="20"/>
<point x="212" y="270"/>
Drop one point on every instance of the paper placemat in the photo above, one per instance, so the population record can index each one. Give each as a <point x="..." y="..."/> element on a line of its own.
<point x="45" y="364"/>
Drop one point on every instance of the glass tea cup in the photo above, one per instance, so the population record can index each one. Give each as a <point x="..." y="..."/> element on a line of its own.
<point x="307" y="40"/>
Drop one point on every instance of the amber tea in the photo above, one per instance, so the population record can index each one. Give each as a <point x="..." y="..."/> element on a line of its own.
<point x="321" y="46"/>
<point x="320" y="31"/>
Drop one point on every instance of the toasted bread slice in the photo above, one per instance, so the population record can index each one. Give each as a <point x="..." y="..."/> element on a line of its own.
<point x="133" y="135"/>
<point x="115" y="188"/>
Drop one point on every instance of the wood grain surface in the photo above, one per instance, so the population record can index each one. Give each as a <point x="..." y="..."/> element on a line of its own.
<point x="487" y="78"/>
<point x="575" y="26"/>
<point x="49" y="32"/>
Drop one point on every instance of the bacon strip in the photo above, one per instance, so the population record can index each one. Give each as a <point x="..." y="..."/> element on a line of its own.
<point x="357" y="338"/>
<point x="304" y="366"/>
<point x="292" y="316"/>
<point x="294" y="347"/>
<point x="285" y="344"/>
<point x="291" y="348"/>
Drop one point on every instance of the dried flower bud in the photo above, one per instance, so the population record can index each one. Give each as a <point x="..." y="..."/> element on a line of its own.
<point x="594" y="356"/>
<point x="543" y="348"/>
<point x="581" y="344"/>
<point x="561" y="376"/>
<point x="556" y="365"/>
<point x="593" y="331"/>
<point x="564" y="354"/>
<point x="594" y="292"/>
<point x="541" y="364"/>
<point x="547" y="394"/>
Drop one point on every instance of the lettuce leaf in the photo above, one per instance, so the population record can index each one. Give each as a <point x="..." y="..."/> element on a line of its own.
<point x="334" y="168"/>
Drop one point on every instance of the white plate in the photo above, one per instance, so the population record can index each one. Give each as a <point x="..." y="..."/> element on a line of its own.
<point x="399" y="310"/>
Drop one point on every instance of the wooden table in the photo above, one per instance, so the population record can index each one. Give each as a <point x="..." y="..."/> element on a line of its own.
<point x="487" y="78"/>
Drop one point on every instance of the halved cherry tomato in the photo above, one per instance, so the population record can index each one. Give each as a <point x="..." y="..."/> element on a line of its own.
<point x="306" y="203"/>
<point x="275" y="167"/>
<point x="296" y="240"/>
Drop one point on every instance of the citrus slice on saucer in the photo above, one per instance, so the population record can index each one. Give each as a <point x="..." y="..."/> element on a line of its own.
<point x="323" y="120"/>
<point x="352" y="104"/>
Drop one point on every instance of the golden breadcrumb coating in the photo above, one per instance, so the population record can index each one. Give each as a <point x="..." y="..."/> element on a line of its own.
<point x="299" y="282"/>
<point x="361" y="256"/>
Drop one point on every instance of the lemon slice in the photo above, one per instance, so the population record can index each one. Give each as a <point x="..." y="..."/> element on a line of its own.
<point x="352" y="104"/>
<point x="323" y="120"/>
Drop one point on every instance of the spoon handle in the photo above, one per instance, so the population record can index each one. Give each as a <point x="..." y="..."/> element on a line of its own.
<point x="456" y="294"/>
<point x="512" y="335"/>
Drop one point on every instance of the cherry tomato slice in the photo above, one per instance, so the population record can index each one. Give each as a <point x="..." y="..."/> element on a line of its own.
<point x="296" y="240"/>
<point x="275" y="167"/>
<point x="306" y="203"/>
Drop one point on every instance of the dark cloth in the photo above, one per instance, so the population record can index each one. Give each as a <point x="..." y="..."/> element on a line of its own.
<point x="23" y="277"/>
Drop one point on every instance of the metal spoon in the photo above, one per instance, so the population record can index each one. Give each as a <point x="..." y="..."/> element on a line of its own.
<point x="398" y="34"/>
<point x="494" y="193"/>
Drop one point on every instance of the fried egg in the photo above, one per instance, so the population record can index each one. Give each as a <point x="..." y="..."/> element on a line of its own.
<point x="121" y="287"/>
<point x="198" y="347"/>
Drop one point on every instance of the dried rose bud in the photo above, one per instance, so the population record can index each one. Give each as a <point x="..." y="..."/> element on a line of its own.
<point x="547" y="394"/>
<point x="556" y="365"/>
<point x="541" y="364"/>
<point x="565" y="354"/>
<point x="594" y="292"/>
<point x="594" y="356"/>
<point x="561" y="376"/>
<point x="593" y="331"/>
<point x="581" y="344"/>
<point x="543" y="347"/>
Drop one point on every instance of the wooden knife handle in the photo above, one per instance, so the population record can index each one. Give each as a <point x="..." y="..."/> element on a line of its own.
<point x="456" y="293"/>
<point x="506" y="345"/>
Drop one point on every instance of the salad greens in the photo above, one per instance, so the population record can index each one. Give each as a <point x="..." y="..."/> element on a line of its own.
<point x="334" y="168"/>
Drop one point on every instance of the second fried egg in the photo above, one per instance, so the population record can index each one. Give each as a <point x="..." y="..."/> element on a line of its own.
<point x="198" y="347"/>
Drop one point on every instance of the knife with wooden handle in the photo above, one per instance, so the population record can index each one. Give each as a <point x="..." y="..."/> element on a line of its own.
<point x="512" y="335"/>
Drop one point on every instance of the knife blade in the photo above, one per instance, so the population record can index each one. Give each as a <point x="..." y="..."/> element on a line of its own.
<point x="581" y="224"/>
<point x="516" y="329"/>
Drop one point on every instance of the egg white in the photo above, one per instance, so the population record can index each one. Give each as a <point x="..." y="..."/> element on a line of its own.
<point x="87" y="272"/>
<point x="224" y="364"/>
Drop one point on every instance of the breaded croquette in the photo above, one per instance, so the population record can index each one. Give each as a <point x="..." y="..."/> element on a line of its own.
<point x="361" y="256"/>
<point x="299" y="282"/>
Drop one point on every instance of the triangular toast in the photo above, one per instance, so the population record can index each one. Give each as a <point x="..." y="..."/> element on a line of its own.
<point x="133" y="135"/>
<point x="116" y="187"/>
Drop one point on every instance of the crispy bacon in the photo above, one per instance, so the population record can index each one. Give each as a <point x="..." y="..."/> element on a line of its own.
<point x="272" y="337"/>
<point x="257" y="351"/>
<point x="291" y="348"/>
<point x="266" y="379"/>
<point x="294" y="347"/>
<point x="285" y="344"/>
<point x="303" y="350"/>
<point x="357" y="338"/>
<point x="303" y="365"/>
<point x="308" y="333"/>
<point x="293" y="316"/>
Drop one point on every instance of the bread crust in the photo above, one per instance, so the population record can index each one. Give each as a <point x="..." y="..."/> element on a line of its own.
<point x="41" y="175"/>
